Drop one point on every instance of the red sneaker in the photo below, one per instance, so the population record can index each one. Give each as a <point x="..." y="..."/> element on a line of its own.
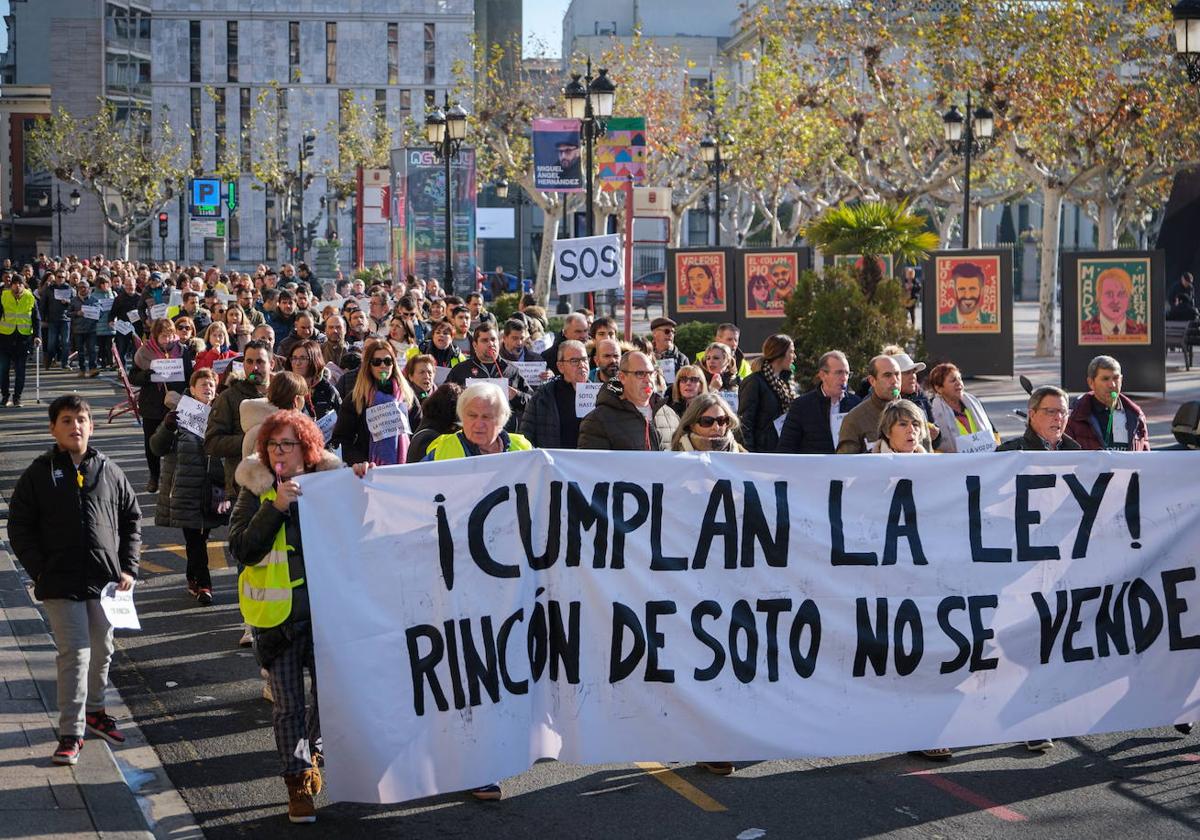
<point x="68" y="750"/>
<point x="100" y="723"/>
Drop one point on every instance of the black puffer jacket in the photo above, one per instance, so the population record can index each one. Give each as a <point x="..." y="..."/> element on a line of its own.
<point x="758" y="409"/>
<point x="152" y="395"/>
<point x="73" y="540"/>
<point x="188" y="477"/>
<point x="616" y="423"/>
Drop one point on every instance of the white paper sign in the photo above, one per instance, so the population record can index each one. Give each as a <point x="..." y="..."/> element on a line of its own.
<point x="90" y="313"/>
<point x="221" y="365"/>
<point x="589" y="264"/>
<point x="134" y="316"/>
<point x="166" y="370"/>
<point x="978" y="442"/>
<point x="63" y="295"/>
<point x="326" y="424"/>
<point x="440" y="374"/>
<point x="118" y="608"/>
<point x="463" y="345"/>
<point x="236" y="367"/>
<point x="123" y="327"/>
<point x="730" y="397"/>
<point x="192" y="415"/>
<point x="667" y="366"/>
<point x="985" y="561"/>
<point x="585" y="397"/>
<point x="176" y="298"/>
<point x="335" y="372"/>
<point x="106" y="303"/>
<point x="531" y="372"/>
<point x="387" y="420"/>
<point x="159" y="310"/>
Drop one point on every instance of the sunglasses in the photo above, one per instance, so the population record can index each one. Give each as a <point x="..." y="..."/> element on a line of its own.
<point x="695" y="380"/>
<point x="382" y="363"/>
<point x="709" y="422"/>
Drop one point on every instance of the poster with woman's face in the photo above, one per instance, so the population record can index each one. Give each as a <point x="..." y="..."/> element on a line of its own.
<point x="770" y="280"/>
<point x="1114" y="301"/>
<point x="968" y="294"/>
<point x="700" y="281"/>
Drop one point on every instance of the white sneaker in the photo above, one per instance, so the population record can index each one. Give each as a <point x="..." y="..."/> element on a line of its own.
<point x="247" y="639"/>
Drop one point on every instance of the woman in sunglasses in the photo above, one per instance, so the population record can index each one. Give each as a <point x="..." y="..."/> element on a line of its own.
<point x="707" y="425"/>
<point x="375" y="423"/>
<point x="690" y="383"/>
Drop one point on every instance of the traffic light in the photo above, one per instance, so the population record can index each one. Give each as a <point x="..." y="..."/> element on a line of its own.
<point x="307" y="148"/>
<point x="311" y="232"/>
<point x="162" y="225"/>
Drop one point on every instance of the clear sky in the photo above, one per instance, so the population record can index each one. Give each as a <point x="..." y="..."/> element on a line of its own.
<point x="543" y="22"/>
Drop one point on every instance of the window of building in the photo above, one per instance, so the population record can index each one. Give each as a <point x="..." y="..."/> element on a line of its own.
<point x="405" y="103"/>
<point x="381" y="102"/>
<point x="430" y="53"/>
<point x="270" y="227"/>
<point x="219" y="125"/>
<point x="235" y="237"/>
<point x="281" y="123"/>
<point x="393" y="54"/>
<point x="194" y="50"/>
<point x="294" y="50"/>
<point x="698" y="225"/>
<point x="197" y="130"/>
<point x="244" y="125"/>
<point x="231" y="51"/>
<point x="330" y="53"/>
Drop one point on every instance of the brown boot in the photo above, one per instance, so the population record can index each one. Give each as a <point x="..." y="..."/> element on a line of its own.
<point x="316" y="780"/>
<point x="300" y="798"/>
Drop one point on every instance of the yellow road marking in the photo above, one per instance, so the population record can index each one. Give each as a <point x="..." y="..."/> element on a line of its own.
<point x="681" y="786"/>
<point x="153" y="567"/>
<point x="216" y="556"/>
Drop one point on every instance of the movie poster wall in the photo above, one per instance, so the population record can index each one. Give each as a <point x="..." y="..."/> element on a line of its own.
<point x="766" y="279"/>
<point x="700" y="284"/>
<point x="967" y="311"/>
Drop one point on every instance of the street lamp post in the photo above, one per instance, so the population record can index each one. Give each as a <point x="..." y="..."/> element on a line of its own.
<point x="519" y="201"/>
<point x="1187" y="36"/>
<point x="591" y="102"/>
<point x="710" y="153"/>
<point x="968" y="139"/>
<point x="59" y="208"/>
<point x="445" y="130"/>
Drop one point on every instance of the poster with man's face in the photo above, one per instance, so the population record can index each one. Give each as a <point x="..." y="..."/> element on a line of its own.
<point x="770" y="280"/>
<point x="1114" y="301"/>
<point x="557" y="166"/>
<point x="968" y="294"/>
<point x="855" y="261"/>
<point x="700" y="281"/>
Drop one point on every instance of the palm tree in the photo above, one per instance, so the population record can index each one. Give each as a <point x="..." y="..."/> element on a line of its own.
<point x="872" y="229"/>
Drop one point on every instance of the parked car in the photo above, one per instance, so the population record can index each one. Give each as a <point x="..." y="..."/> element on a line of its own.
<point x="483" y="284"/>
<point x="647" y="289"/>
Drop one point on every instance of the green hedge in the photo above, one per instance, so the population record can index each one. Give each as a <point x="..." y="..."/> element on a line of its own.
<point x="693" y="337"/>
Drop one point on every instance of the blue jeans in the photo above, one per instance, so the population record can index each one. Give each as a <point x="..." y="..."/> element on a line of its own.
<point x="85" y="344"/>
<point x="14" y="350"/>
<point x="58" y="342"/>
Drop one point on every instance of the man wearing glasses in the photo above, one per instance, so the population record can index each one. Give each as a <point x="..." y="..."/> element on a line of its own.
<point x="223" y="435"/>
<point x="629" y="414"/>
<point x="814" y="420"/>
<point x="662" y="332"/>
<point x="1047" y="424"/>
<point x="550" y="420"/>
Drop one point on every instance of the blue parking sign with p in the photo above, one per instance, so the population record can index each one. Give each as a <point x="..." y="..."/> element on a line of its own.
<point x="206" y="192"/>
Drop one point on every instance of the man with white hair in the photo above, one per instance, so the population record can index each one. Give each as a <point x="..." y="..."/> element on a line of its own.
<point x="575" y="328"/>
<point x="550" y="420"/>
<point x="483" y="412"/>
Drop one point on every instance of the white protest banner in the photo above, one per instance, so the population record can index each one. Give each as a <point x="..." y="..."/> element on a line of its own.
<point x="388" y="420"/>
<point x="607" y="606"/>
<point x="589" y="263"/>
<point x="499" y="382"/>
<point x="192" y="415"/>
<point x="122" y="327"/>
<point x="335" y="372"/>
<point x="222" y="365"/>
<point x="134" y="316"/>
<point x="166" y="370"/>
<point x="326" y="423"/>
<point x="63" y="295"/>
<point x="90" y="313"/>
<point x="440" y="374"/>
<point x="531" y="372"/>
<point x="159" y="310"/>
<point x="585" y="397"/>
<point x="118" y="608"/>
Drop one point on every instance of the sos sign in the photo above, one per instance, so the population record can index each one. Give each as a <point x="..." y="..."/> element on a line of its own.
<point x="589" y="264"/>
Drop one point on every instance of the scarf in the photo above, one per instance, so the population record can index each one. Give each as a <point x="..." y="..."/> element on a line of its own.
<point x="704" y="444"/>
<point x="393" y="450"/>
<point x="782" y="389"/>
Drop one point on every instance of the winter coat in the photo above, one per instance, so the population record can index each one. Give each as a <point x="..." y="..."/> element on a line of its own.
<point x="74" y="540"/>
<point x="323" y="398"/>
<point x="758" y="409"/>
<point x="223" y="436"/>
<point x="104" y="325"/>
<point x="472" y="368"/>
<point x="254" y="524"/>
<point x="542" y="421"/>
<point x="354" y="436"/>
<point x="152" y="394"/>
<point x="806" y="429"/>
<point x="1083" y="426"/>
<point x="616" y="423"/>
<point x="79" y="324"/>
<point x="422" y="439"/>
<point x="122" y="306"/>
<point x="1030" y="442"/>
<point x="55" y="311"/>
<point x="187" y="480"/>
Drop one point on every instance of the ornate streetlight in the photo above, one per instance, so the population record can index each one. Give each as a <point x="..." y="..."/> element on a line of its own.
<point x="590" y="101"/>
<point x="1187" y="36"/>
<point x="519" y="201"/>
<point x="710" y="153"/>
<point x="58" y="209"/>
<point x="445" y="130"/>
<point x="968" y="139"/>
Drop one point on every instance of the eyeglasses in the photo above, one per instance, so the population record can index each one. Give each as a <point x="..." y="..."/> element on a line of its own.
<point x="299" y="358"/>
<point x="640" y="374"/>
<point x="667" y="330"/>
<point x="580" y="362"/>
<point x="709" y="422"/>
<point x="684" y="380"/>
<point x="1053" y="412"/>
<point x="382" y="363"/>
<point x="284" y="446"/>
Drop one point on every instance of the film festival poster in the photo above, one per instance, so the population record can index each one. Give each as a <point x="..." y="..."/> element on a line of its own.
<point x="854" y="261"/>
<point x="770" y="280"/>
<point x="968" y="294"/>
<point x="1114" y="301"/>
<point x="557" y="165"/>
<point x="700" y="281"/>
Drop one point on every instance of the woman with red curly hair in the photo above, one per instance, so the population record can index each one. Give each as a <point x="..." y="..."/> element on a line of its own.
<point x="264" y="535"/>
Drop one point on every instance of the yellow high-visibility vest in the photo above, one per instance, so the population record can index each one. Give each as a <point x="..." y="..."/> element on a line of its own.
<point x="449" y="446"/>
<point x="265" y="589"/>
<point x="18" y="313"/>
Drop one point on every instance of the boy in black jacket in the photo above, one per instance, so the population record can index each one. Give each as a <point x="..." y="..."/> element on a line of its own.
<point x="74" y="524"/>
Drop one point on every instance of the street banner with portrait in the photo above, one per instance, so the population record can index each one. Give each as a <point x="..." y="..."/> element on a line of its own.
<point x="699" y="283"/>
<point x="621" y="153"/>
<point x="966" y="310"/>
<point x="1113" y="304"/>
<point x="600" y="607"/>
<point x="557" y="164"/>
<point x="968" y="293"/>
<point x="421" y="211"/>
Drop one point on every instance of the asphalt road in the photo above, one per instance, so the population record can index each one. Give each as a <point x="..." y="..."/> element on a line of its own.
<point x="197" y="698"/>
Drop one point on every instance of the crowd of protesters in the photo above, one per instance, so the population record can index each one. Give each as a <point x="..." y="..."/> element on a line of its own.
<point x="297" y="375"/>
